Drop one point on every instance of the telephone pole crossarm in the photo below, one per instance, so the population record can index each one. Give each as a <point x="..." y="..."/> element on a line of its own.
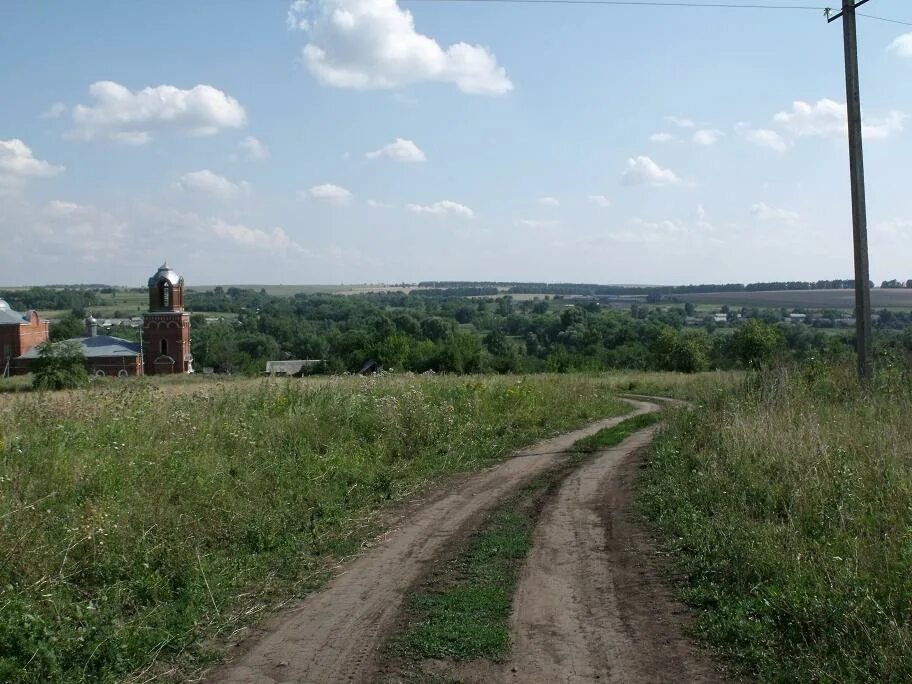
<point x="833" y="17"/>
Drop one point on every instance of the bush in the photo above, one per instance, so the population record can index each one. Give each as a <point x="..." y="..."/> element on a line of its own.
<point x="60" y="365"/>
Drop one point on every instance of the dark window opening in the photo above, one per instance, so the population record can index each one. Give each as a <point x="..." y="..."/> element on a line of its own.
<point x="164" y="347"/>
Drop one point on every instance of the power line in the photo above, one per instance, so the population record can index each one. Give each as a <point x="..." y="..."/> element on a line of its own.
<point x="640" y="3"/>
<point x="663" y="4"/>
<point x="891" y="21"/>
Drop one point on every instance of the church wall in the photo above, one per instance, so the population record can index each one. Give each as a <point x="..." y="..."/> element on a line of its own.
<point x="16" y="340"/>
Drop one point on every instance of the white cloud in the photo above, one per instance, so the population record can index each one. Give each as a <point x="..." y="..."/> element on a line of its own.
<point x="644" y="171"/>
<point x="709" y="136"/>
<point x="537" y="223"/>
<point x="374" y="204"/>
<point x="766" y="138"/>
<point x="600" y="200"/>
<point x="129" y="117"/>
<point x="442" y="208"/>
<point x="680" y="122"/>
<point x="373" y="44"/>
<point x="296" y="19"/>
<point x="253" y="149"/>
<point x="400" y="150"/>
<point x="81" y="230"/>
<point x="828" y="118"/>
<point x="549" y="201"/>
<point x="661" y="137"/>
<point x="328" y="192"/>
<point x="643" y="230"/>
<point x="893" y="228"/>
<point x="764" y="212"/>
<point x="55" y="111"/>
<point x="902" y="46"/>
<point x="275" y="239"/>
<point x="701" y="212"/>
<point x="206" y="182"/>
<point x="17" y="161"/>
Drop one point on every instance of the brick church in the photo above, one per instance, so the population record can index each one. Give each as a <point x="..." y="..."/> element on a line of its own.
<point x="165" y="347"/>
<point x="166" y="328"/>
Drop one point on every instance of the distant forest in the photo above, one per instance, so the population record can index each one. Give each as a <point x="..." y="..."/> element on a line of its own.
<point x="445" y="333"/>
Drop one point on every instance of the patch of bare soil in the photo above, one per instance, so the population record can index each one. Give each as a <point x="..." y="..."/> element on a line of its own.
<point x="334" y="635"/>
<point x="591" y="604"/>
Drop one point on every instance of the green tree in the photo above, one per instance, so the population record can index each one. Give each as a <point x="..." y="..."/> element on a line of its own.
<point x="60" y="365"/>
<point x="69" y="326"/>
<point x="685" y="351"/>
<point x="756" y="342"/>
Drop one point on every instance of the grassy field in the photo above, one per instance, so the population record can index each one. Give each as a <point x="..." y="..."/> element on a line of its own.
<point x="788" y="503"/>
<point x="141" y="521"/>
<point x="805" y="299"/>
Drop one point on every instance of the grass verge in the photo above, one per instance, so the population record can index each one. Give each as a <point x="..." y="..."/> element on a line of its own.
<point x="612" y="436"/>
<point x="138" y="522"/>
<point x="788" y="505"/>
<point x="462" y="610"/>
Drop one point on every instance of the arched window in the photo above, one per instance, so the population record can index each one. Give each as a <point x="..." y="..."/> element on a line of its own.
<point x="164" y="347"/>
<point x="122" y="373"/>
<point x="166" y="295"/>
<point x="100" y="373"/>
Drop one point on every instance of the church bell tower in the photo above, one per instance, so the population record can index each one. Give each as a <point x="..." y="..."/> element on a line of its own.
<point x="166" y="327"/>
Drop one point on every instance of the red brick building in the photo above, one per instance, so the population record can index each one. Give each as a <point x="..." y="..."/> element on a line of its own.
<point x="104" y="355"/>
<point x="166" y="336"/>
<point x="19" y="333"/>
<point x="166" y="328"/>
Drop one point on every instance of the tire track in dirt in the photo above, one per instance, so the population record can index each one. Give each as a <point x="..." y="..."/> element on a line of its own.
<point x="334" y="635"/>
<point x="590" y="605"/>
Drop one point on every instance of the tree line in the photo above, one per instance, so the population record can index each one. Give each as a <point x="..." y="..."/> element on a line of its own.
<point x="416" y="333"/>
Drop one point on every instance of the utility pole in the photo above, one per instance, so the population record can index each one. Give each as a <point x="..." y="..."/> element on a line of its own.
<point x="863" y="340"/>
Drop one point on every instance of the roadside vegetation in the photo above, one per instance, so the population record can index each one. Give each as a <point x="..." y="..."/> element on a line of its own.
<point x="462" y="610"/>
<point x="138" y="521"/>
<point x="788" y="504"/>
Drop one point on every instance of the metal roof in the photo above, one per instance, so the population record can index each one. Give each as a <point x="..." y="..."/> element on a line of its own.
<point x="100" y="345"/>
<point x="165" y="273"/>
<point x="290" y="367"/>
<point x="7" y="315"/>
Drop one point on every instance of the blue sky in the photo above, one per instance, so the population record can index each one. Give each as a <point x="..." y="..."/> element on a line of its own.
<point x="368" y="141"/>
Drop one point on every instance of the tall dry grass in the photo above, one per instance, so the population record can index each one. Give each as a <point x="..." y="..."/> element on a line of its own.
<point x="789" y="504"/>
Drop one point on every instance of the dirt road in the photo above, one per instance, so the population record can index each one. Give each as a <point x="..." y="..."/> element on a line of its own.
<point x="334" y="635"/>
<point x="590" y="605"/>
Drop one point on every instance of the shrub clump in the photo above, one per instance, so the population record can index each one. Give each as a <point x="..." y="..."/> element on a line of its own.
<point x="60" y="365"/>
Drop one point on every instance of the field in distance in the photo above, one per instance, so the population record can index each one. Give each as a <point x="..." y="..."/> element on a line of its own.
<point x="292" y="290"/>
<point x="881" y="298"/>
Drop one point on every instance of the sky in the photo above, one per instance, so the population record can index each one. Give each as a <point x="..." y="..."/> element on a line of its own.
<point x="356" y="141"/>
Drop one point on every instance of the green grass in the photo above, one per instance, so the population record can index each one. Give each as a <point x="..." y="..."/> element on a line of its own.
<point x="788" y="504"/>
<point x="612" y="436"/>
<point x="466" y="616"/>
<point x="139" y="521"/>
<point x="16" y="383"/>
<point x="462" y="611"/>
